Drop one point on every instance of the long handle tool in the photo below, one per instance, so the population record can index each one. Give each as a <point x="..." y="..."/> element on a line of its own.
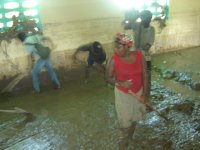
<point x="13" y="83"/>
<point x="16" y="110"/>
<point x="141" y="100"/>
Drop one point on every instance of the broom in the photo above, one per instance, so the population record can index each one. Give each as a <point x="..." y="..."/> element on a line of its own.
<point x="16" y="110"/>
<point x="13" y="83"/>
<point x="141" y="100"/>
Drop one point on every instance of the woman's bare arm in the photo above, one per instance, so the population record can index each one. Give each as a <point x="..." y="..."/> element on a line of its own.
<point x="110" y="73"/>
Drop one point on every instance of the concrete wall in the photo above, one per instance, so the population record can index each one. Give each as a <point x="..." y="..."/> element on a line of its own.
<point x="71" y="23"/>
<point x="183" y="27"/>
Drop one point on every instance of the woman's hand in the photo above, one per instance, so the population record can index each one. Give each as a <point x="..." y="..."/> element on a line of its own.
<point x="144" y="98"/>
<point x="126" y="84"/>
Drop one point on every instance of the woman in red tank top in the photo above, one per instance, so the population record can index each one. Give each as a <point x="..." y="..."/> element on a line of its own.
<point x="127" y="70"/>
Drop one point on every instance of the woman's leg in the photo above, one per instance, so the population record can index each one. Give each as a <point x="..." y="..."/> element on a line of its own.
<point x="132" y="130"/>
<point x="124" y="114"/>
<point x="129" y="110"/>
<point x="123" y="139"/>
<point x="126" y="135"/>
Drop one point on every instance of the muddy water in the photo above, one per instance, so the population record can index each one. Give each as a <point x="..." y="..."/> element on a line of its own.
<point x="78" y="116"/>
<point x="82" y="116"/>
<point x="180" y="89"/>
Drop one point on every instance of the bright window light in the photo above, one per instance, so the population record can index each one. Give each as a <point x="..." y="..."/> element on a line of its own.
<point x="152" y="9"/>
<point x="32" y="12"/>
<point x="162" y="2"/>
<point x="36" y="20"/>
<point x="36" y="29"/>
<point x="9" y="8"/>
<point x="159" y="10"/>
<point x="11" y="14"/>
<point x="10" y="24"/>
<point x="11" y="5"/>
<point x="129" y="4"/>
<point x="155" y="6"/>
<point x="138" y="20"/>
<point x="1" y="25"/>
<point x="29" y="3"/>
<point x="148" y="3"/>
<point x="138" y="4"/>
<point x="163" y="17"/>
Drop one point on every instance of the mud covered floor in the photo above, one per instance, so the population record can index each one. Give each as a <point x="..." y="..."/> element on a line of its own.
<point x="82" y="116"/>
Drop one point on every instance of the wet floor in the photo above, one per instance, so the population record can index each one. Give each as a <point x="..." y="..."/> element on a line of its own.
<point x="82" y="116"/>
<point x="77" y="116"/>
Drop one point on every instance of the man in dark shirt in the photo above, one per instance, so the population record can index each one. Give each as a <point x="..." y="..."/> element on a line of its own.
<point x="96" y="55"/>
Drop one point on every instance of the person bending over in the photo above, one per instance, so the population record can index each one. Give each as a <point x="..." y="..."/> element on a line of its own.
<point x="96" y="55"/>
<point x="29" y="43"/>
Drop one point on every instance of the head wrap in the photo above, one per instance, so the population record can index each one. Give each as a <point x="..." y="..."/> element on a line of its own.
<point x="125" y="39"/>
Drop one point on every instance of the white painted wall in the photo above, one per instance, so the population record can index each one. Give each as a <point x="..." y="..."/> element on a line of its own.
<point x="77" y="10"/>
<point x="71" y="23"/>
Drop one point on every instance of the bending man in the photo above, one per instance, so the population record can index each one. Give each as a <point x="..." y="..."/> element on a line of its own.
<point x="39" y="62"/>
<point x="96" y="55"/>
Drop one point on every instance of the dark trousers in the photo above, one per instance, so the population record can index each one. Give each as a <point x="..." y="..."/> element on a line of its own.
<point x="149" y="76"/>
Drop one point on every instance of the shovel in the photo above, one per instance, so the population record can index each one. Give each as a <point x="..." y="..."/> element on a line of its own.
<point x="16" y="110"/>
<point x="13" y="83"/>
<point x="141" y="100"/>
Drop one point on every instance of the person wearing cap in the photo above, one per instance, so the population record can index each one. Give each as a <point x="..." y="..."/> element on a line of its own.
<point x="127" y="71"/>
<point x="38" y="62"/>
<point x="96" y="55"/>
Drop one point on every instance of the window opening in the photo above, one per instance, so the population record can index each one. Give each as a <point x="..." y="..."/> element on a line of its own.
<point x="158" y="8"/>
<point x="20" y="15"/>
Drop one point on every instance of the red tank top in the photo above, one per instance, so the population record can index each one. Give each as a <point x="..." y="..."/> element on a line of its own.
<point x="131" y="71"/>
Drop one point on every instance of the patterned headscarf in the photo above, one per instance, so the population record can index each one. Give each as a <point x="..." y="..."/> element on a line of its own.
<point x="125" y="39"/>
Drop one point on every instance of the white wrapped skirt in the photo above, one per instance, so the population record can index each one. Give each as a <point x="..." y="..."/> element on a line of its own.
<point x="128" y="108"/>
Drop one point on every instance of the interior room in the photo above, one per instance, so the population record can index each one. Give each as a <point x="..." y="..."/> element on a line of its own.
<point x="67" y="102"/>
